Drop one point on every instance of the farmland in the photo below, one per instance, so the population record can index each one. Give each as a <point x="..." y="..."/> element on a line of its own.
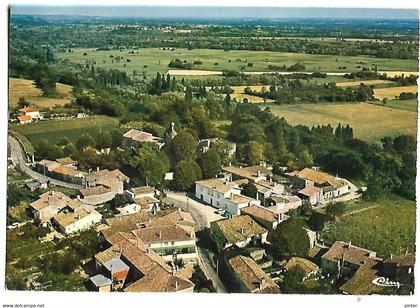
<point x="71" y="128"/>
<point x="393" y="92"/>
<point x="152" y="60"/>
<point x="26" y="88"/>
<point x="366" y="82"/>
<point x="410" y="104"/>
<point x="370" y="122"/>
<point x="387" y="226"/>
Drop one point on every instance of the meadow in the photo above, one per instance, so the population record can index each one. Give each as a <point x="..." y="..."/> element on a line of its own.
<point x="152" y="60"/>
<point x="369" y="122"/>
<point x="387" y="226"/>
<point x="366" y="82"/>
<point x="71" y="128"/>
<point x="408" y="104"/>
<point x="393" y="92"/>
<point x="26" y="88"/>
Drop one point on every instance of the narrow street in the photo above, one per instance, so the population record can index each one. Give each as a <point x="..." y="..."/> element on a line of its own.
<point x="18" y="159"/>
<point x="203" y="216"/>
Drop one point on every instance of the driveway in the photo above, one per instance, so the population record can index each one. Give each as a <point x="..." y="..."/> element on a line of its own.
<point x="18" y="158"/>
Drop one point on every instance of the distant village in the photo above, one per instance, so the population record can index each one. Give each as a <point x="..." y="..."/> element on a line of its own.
<point x="156" y="231"/>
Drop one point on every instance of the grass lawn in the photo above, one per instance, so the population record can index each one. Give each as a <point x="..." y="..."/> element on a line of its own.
<point x="409" y="104"/>
<point x="386" y="226"/>
<point x="72" y="128"/>
<point x="370" y="122"/>
<point x="152" y="60"/>
<point x="26" y="88"/>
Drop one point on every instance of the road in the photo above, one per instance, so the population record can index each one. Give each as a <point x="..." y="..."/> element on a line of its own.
<point x="18" y="158"/>
<point x="203" y="215"/>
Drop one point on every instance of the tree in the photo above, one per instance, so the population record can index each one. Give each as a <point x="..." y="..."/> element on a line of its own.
<point x="290" y="239"/>
<point x="117" y="138"/>
<point x="254" y="152"/>
<point x="151" y="164"/>
<point x="405" y="143"/>
<point x="103" y="140"/>
<point x="335" y="209"/>
<point x="186" y="173"/>
<point x="69" y="149"/>
<point x="224" y="149"/>
<point x="305" y="159"/>
<point x="84" y="141"/>
<point x="63" y="141"/>
<point x="292" y="282"/>
<point x="249" y="189"/>
<point x="210" y="163"/>
<point x="188" y="94"/>
<point x="184" y="146"/>
<point x="317" y="221"/>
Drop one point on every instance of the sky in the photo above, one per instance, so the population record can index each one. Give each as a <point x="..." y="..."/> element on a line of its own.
<point x="214" y="12"/>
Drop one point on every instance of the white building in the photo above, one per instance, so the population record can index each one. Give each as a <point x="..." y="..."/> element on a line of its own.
<point x="83" y="218"/>
<point x="223" y="195"/>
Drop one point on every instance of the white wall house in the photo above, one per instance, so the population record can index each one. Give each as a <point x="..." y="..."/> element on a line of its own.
<point x="223" y="195"/>
<point x="79" y="220"/>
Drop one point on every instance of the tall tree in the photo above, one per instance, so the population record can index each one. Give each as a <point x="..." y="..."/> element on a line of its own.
<point x="210" y="163"/>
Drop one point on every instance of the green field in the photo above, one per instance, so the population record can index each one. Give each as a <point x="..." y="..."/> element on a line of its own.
<point x="157" y="59"/>
<point x="369" y="122"/>
<point x="409" y="104"/>
<point x="72" y="128"/>
<point x="386" y="226"/>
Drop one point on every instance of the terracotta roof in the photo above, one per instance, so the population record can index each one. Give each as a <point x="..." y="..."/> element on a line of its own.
<point x="307" y="266"/>
<point x="403" y="260"/>
<point x="141" y="136"/>
<point x="163" y="234"/>
<point x="361" y="282"/>
<point x="250" y="173"/>
<point x="252" y="276"/>
<point x="24" y="118"/>
<point x="240" y="198"/>
<point x="239" y="228"/>
<point x="260" y="212"/>
<point x="50" y="198"/>
<point x="319" y="177"/>
<point x="118" y="174"/>
<point x="146" y="201"/>
<point x="177" y="217"/>
<point x="310" y="191"/>
<point x="217" y="185"/>
<point x="143" y="190"/>
<point x="65" y="161"/>
<point x="65" y="219"/>
<point x="49" y="164"/>
<point x="27" y="109"/>
<point x="126" y="223"/>
<point x="96" y="190"/>
<point x="350" y="253"/>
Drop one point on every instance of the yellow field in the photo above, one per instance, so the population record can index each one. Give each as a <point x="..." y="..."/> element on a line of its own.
<point x="369" y="122"/>
<point x="393" y="92"/>
<point x="398" y="73"/>
<point x="251" y="98"/>
<point x="359" y="82"/>
<point x="26" y="88"/>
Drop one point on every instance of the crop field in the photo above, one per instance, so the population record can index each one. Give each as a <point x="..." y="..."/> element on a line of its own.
<point x="398" y="73"/>
<point x="409" y="104"/>
<point x="151" y="60"/>
<point x="369" y="122"/>
<point x="366" y="82"/>
<point x="393" y="92"/>
<point x="387" y="226"/>
<point x="71" y="128"/>
<point x="26" y="88"/>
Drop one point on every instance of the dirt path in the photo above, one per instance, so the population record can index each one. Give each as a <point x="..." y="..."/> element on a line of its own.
<point x="361" y="210"/>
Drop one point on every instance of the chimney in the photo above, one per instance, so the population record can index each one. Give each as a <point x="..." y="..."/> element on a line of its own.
<point x="97" y="169"/>
<point x="160" y="234"/>
<point x="242" y="231"/>
<point x="349" y="244"/>
<point x="147" y="249"/>
<point x="78" y="197"/>
<point x="191" y="234"/>
<point x="176" y="284"/>
<point x="258" y="173"/>
<point x="52" y="193"/>
<point x="262" y="283"/>
<point x="391" y="256"/>
<point x="279" y="217"/>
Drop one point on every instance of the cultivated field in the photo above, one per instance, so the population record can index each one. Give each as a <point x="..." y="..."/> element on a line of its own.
<point x="26" y="88"/>
<point x="387" y="226"/>
<point x="392" y="74"/>
<point x="366" y="82"/>
<point x="409" y="104"/>
<point x="72" y="128"/>
<point x="152" y="60"/>
<point x="369" y="122"/>
<point x="393" y="92"/>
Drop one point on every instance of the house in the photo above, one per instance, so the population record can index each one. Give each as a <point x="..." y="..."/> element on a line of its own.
<point x="126" y="223"/>
<point x="24" y="119"/>
<point x="100" y="283"/>
<point x="147" y="271"/>
<point x="223" y="195"/>
<point x="362" y="282"/>
<point x="309" y="268"/>
<point x="268" y="188"/>
<point x="134" y="137"/>
<point x="66" y="162"/>
<point x="240" y="231"/>
<point x="82" y="218"/>
<point x="96" y="195"/>
<point x="253" y="173"/>
<point x="141" y="191"/>
<point x="30" y="112"/>
<point x="65" y="173"/>
<point x="177" y="217"/>
<point x="48" y="205"/>
<point x="37" y="184"/>
<point x="400" y="268"/>
<point x="205" y="144"/>
<point x="250" y="278"/>
<point x="344" y="258"/>
<point x="283" y="203"/>
<point x="95" y="178"/>
<point x="169" y="241"/>
<point x="264" y="216"/>
<point x="317" y="186"/>
<point x="129" y="209"/>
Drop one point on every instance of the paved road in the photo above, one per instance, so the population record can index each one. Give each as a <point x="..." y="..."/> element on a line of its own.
<point x="18" y="158"/>
<point x="203" y="215"/>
